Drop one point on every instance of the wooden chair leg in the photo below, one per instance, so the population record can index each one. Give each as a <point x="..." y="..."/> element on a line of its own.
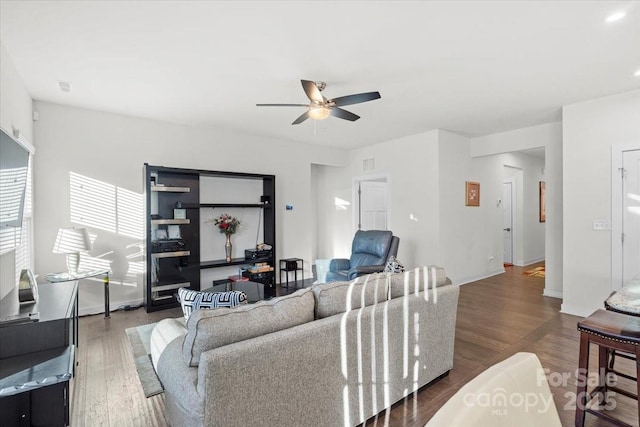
<point x="581" y="390"/>
<point x="612" y="360"/>
<point x="603" y="368"/>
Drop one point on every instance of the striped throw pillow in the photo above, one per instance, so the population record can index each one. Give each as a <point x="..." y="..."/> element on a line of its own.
<point x="191" y="300"/>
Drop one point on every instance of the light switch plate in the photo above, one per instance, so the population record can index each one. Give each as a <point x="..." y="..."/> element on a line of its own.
<point x="601" y="225"/>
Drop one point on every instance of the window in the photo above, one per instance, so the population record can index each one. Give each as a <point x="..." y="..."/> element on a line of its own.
<point x="20" y="238"/>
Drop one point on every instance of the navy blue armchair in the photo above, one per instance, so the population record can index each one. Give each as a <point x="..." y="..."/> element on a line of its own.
<point x="370" y="251"/>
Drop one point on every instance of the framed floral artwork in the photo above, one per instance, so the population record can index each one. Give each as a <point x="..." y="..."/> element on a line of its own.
<point x="472" y="193"/>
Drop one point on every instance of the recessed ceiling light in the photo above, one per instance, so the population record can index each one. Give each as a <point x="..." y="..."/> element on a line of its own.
<point x="637" y="73"/>
<point x="616" y="16"/>
<point x="64" y="86"/>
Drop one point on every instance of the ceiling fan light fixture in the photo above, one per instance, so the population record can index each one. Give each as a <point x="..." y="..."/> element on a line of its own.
<point x="321" y="107"/>
<point x="319" y="112"/>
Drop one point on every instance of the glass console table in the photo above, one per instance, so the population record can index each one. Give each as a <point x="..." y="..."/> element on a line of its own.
<point x="67" y="277"/>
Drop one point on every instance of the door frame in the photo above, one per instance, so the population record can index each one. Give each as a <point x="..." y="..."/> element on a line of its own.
<point x="617" y="157"/>
<point x="512" y="184"/>
<point x="379" y="177"/>
<point x="516" y="212"/>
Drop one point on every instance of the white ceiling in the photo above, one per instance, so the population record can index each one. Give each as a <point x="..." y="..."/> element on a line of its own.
<point x="474" y="67"/>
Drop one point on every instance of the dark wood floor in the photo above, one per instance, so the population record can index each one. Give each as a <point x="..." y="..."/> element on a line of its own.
<point x="497" y="317"/>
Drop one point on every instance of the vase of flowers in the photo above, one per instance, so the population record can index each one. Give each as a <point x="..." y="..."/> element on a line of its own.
<point x="228" y="247"/>
<point x="227" y="225"/>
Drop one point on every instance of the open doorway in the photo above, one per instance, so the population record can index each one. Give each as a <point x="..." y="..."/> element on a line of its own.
<point x="523" y="230"/>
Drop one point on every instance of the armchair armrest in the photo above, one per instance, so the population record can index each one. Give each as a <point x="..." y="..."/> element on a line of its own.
<point x="364" y="269"/>
<point x="339" y="264"/>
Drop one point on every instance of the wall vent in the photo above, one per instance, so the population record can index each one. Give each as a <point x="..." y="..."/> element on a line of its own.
<point x="368" y="164"/>
<point x="64" y="86"/>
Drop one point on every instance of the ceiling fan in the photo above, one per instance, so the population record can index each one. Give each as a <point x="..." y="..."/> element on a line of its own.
<point x="320" y="107"/>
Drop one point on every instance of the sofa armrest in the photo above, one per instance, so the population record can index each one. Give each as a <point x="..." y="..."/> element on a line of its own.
<point x="163" y="333"/>
<point x="184" y="404"/>
<point x="356" y="272"/>
<point x="338" y="264"/>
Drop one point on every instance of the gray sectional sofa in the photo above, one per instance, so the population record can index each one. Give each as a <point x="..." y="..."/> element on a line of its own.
<point x="334" y="354"/>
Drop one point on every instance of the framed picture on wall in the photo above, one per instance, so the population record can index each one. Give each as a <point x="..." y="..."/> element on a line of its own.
<point x="472" y="193"/>
<point x="543" y="208"/>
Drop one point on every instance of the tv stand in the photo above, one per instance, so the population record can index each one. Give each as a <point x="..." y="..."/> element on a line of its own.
<point x="37" y="358"/>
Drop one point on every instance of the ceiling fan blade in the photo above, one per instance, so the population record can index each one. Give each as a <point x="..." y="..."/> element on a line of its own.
<point x="355" y="99"/>
<point x="343" y="114"/>
<point x="282" y="105"/>
<point x="312" y="91"/>
<point x="301" y="119"/>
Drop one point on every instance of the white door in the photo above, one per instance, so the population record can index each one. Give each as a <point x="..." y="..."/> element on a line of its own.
<point x="631" y="215"/>
<point x="373" y="205"/>
<point x="507" y="223"/>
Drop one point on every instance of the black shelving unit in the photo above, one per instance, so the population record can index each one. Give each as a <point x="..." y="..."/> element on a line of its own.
<point x="172" y="265"/>
<point x="171" y="269"/>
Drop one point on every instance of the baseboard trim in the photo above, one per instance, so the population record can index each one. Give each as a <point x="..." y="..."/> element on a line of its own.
<point x="575" y="310"/>
<point x="552" y="294"/>
<point x="113" y="306"/>
<point x="521" y="263"/>
<point x="471" y="279"/>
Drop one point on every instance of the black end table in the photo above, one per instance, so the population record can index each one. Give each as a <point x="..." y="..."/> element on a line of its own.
<point x="291" y="264"/>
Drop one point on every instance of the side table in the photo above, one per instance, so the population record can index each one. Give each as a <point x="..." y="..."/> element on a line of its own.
<point x="67" y="277"/>
<point x="291" y="264"/>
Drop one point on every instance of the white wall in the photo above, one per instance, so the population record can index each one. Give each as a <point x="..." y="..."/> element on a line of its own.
<point x="550" y="137"/>
<point x="15" y="102"/>
<point x="427" y="174"/>
<point x="15" y="113"/>
<point x="589" y="130"/>
<point x="333" y="222"/>
<point x="112" y="149"/>
<point x="411" y="165"/>
<point x="469" y="235"/>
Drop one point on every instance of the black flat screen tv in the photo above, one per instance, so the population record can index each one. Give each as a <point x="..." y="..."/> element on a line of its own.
<point x="14" y="164"/>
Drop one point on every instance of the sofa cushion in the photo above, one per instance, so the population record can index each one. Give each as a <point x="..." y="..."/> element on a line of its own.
<point x="209" y="329"/>
<point x="339" y="297"/>
<point x="191" y="300"/>
<point x="413" y="281"/>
